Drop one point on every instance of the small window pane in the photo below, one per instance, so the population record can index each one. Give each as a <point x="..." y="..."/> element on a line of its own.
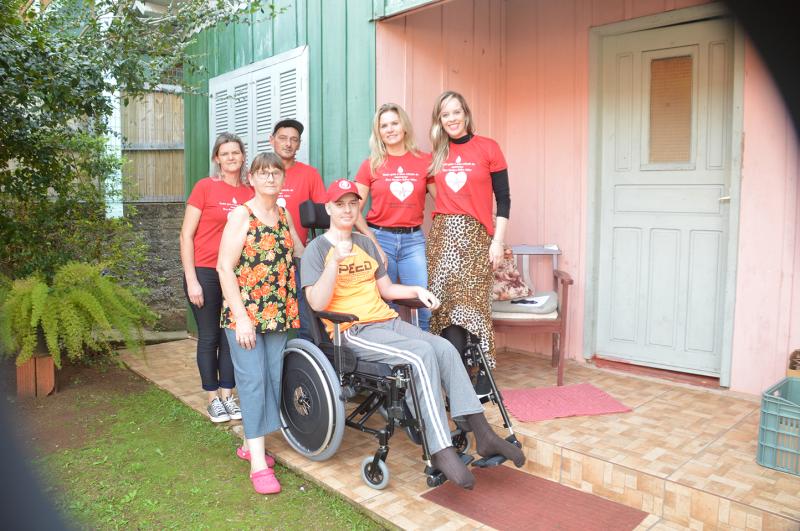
<point x="671" y="109"/>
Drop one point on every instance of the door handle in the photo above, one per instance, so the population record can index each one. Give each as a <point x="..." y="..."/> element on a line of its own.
<point x="724" y="198"/>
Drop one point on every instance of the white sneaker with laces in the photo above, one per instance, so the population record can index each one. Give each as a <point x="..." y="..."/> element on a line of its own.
<point x="232" y="408"/>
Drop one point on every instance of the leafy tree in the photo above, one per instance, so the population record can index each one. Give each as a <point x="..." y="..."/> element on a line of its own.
<point x="59" y="68"/>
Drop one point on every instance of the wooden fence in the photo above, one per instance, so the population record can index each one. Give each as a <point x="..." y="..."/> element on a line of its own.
<point x="152" y="133"/>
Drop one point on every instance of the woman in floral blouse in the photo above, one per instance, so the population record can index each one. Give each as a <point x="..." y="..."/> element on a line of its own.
<point x="258" y="283"/>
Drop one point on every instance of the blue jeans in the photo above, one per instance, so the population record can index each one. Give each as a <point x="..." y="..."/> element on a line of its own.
<point x="406" y="255"/>
<point x="258" y="380"/>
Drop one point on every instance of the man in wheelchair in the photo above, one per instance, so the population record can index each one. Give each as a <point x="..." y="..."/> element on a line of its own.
<point x="342" y="272"/>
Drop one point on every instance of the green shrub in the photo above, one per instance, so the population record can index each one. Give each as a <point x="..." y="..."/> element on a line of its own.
<point x="81" y="310"/>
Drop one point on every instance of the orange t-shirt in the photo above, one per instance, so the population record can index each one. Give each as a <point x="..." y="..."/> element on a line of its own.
<point x="356" y="289"/>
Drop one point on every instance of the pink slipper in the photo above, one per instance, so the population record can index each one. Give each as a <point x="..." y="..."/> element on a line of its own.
<point x="245" y="454"/>
<point x="265" y="482"/>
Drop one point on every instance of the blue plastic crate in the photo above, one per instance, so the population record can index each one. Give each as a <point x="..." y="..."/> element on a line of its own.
<point x="779" y="430"/>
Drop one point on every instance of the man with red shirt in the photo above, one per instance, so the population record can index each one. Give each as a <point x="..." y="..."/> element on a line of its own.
<point x="302" y="181"/>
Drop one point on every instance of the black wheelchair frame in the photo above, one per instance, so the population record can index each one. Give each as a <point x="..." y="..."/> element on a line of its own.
<point x="307" y="410"/>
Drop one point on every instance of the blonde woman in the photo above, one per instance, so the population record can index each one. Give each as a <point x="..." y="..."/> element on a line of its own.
<point x="207" y="209"/>
<point x="396" y="176"/>
<point x="465" y="242"/>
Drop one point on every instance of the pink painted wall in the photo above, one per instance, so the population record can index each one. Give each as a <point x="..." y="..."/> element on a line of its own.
<point x="524" y="67"/>
<point x="767" y="319"/>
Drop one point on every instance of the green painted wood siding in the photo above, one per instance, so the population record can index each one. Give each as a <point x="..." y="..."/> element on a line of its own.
<point x="341" y="39"/>
<point x="388" y="8"/>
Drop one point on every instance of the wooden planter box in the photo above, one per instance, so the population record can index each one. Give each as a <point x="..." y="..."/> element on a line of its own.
<point x="36" y="377"/>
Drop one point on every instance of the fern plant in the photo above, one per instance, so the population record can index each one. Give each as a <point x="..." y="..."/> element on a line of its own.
<point x="81" y="310"/>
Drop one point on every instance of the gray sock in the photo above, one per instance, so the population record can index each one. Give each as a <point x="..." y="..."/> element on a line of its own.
<point x="489" y="443"/>
<point x="453" y="468"/>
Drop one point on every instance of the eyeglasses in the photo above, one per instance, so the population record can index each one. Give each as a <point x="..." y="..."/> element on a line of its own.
<point x="263" y="175"/>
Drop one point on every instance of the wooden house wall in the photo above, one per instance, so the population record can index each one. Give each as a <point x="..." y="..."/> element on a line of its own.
<point x="341" y="39"/>
<point x="152" y="145"/>
<point x="529" y="89"/>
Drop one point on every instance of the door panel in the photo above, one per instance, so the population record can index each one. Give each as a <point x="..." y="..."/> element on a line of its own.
<point x="666" y="105"/>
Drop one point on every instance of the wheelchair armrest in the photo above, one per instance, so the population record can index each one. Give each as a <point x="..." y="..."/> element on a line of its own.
<point x="410" y="303"/>
<point x="337" y="317"/>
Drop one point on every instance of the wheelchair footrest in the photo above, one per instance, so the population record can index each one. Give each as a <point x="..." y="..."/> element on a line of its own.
<point x="437" y="477"/>
<point x="495" y="460"/>
<point x="488" y="462"/>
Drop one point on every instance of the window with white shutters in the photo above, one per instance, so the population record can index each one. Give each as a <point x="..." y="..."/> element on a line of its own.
<point x="249" y="101"/>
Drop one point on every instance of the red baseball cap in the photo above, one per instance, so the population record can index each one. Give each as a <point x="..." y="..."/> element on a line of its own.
<point x="340" y="187"/>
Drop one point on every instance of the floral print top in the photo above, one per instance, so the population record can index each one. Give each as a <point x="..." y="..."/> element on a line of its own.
<point x="266" y="277"/>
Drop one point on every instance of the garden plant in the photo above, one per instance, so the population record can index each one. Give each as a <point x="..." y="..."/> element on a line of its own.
<point x="79" y="312"/>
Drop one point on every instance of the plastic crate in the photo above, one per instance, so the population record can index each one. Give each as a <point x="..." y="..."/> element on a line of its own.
<point x="779" y="430"/>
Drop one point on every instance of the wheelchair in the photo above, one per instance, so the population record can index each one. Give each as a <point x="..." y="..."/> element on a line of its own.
<point x="320" y="376"/>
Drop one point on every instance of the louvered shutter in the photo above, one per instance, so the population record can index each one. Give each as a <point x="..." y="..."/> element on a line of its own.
<point x="242" y="112"/>
<point x="264" y="115"/>
<point x="250" y="100"/>
<point x="219" y="112"/>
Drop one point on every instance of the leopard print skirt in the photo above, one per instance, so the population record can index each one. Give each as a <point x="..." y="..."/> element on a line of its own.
<point x="461" y="277"/>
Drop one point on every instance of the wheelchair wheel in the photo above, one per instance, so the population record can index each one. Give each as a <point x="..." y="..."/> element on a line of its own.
<point x="461" y="441"/>
<point x="377" y="479"/>
<point x="312" y="411"/>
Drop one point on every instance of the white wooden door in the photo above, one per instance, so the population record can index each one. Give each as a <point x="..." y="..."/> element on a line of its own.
<point x="666" y="126"/>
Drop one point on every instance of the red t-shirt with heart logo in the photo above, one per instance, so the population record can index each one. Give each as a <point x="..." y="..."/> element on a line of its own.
<point x="302" y="182"/>
<point x="464" y="184"/>
<point x="398" y="189"/>
<point x="215" y="199"/>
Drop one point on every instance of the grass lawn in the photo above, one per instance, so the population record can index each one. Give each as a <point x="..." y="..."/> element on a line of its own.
<point x="136" y="457"/>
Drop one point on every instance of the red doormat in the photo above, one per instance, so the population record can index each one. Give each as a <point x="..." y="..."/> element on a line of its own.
<point x="508" y="499"/>
<point x="544" y="403"/>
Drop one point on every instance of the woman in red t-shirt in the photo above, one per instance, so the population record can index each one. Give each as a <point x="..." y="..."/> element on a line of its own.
<point x="207" y="209"/>
<point x="396" y="174"/>
<point x="465" y="244"/>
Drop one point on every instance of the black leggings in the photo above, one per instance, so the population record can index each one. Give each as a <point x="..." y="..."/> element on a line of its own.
<point x="213" y="353"/>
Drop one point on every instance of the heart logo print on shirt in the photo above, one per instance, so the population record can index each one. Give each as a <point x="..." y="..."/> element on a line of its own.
<point x="455" y="180"/>
<point x="401" y="190"/>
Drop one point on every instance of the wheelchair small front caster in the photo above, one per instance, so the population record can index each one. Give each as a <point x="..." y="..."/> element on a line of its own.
<point x="377" y="479"/>
<point x="435" y="479"/>
<point x="461" y="442"/>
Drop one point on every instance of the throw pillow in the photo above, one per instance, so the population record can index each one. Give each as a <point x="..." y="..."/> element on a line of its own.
<point x="508" y="283"/>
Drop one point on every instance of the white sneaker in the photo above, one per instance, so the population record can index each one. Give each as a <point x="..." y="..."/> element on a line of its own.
<point x="232" y="408"/>
<point x="217" y="411"/>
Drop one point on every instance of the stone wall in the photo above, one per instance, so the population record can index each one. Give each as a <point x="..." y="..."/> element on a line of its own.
<point x="161" y="224"/>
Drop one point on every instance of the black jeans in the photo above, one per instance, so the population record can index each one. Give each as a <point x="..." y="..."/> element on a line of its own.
<point x="213" y="353"/>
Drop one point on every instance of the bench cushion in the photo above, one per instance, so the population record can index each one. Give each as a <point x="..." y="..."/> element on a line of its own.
<point x="542" y="303"/>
